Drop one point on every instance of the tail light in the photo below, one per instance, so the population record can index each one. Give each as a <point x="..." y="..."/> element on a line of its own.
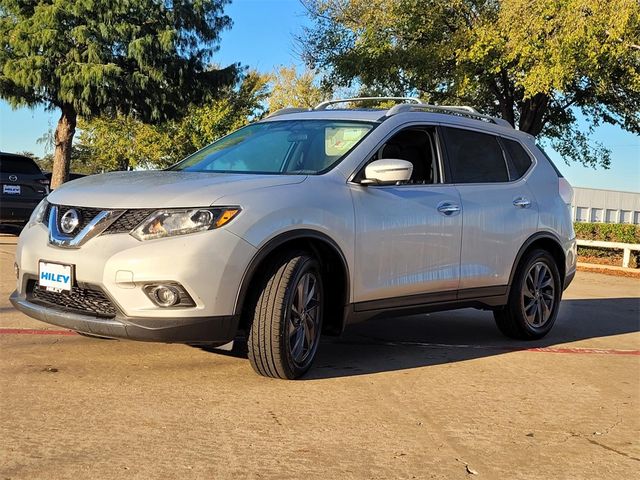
<point x="566" y="191"/>
<point x="45" y="183"/>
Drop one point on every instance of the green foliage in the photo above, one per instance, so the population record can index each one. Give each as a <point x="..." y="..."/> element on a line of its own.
<point x="290" y="89"/>
<point x="234" y="109"/>
<point x="123" y="142"/>
<point x="536" y="63"/>
<point x="606" y="256"/>
<point x="142" y="57"/>
<point x="81" y="162"/>
<point x="608" y="232"/>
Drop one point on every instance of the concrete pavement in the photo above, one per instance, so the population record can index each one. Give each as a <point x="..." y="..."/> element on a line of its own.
<point x="430" y="396"/>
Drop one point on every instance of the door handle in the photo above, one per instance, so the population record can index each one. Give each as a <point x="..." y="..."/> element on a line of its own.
<point x="522" y="202"/>
<point x="448" y="208"/>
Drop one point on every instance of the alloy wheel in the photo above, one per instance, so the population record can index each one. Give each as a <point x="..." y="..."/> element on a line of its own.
<point x="304" y="319"/>
<point x="538" y="295"/>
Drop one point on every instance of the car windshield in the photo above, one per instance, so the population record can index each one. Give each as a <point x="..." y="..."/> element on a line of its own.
<point x="281" y="147"/>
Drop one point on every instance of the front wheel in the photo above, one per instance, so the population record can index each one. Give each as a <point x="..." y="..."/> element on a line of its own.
<point x="287" y="318"/>
<point x="534" y="298"/>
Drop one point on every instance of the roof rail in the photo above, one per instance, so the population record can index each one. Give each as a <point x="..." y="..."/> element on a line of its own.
<point x="416" y="104"/>
<point x="284" y="111"/>
<point x="460" y="110"/>
<point x="324" y="105"/>
<point x="464" y="108"/>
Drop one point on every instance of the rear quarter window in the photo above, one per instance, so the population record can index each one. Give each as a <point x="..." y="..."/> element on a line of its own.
<point x="519" y="159"/>
<point x="22" y="165"/>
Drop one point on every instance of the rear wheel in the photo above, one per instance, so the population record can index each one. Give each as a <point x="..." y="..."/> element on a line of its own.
<point x="287" y="318"/>
<point x="534" y="298"/>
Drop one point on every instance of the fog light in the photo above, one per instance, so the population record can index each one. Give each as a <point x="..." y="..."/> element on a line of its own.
<point x="170" y="294"/>
<point x="165" y="295"/>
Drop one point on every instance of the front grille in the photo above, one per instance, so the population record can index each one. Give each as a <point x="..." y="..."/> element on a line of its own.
<point x="87" y="301"/>
<point x="86" y="215"/>
<point x="128" y="221"/>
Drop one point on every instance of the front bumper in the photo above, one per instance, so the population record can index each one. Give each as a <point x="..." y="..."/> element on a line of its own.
<point x="208" y="265"/>
<point x="216" y="329"/>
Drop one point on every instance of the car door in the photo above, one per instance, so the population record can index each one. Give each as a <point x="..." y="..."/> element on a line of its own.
<point x="408" y="237"/>
<point x="500" y="211"/>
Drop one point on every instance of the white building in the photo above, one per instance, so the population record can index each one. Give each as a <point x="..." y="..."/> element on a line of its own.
<point x="609" y="206"/>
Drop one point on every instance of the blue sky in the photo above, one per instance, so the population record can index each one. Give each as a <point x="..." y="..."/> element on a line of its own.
<point x="262" y="38"/>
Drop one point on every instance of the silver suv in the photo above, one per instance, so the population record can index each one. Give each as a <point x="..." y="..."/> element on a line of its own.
<point x="303" y="223"/>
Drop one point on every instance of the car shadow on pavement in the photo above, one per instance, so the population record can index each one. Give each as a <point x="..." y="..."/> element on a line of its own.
<point x="389" y="344"/>
<point x="399" y="343"/>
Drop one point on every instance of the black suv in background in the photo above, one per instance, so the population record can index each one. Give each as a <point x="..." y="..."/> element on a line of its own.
<point x="23" y="187"/>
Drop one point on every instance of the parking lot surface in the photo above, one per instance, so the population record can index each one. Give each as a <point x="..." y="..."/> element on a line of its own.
<point x="430" y="396"/>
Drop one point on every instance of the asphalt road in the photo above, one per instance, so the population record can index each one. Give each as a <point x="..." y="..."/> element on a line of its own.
<point x="430" y="396"/>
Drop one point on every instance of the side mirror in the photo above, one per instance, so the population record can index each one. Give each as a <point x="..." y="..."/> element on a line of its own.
<point x="387" y="172"/>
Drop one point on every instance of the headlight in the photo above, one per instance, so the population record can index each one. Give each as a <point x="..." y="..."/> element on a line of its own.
<point x="168" y="223"/>
<point x="37" y="216"/>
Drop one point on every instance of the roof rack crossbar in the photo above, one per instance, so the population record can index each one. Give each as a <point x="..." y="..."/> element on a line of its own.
<point x="460" y="110"/>
<point x="324" y="105"/>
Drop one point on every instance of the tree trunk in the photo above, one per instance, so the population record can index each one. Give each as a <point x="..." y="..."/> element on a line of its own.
<point x="63" y="139"/>
<point x="532" y="111"/>
<point x="507" y="102"/>
<point x="123" y="164"/>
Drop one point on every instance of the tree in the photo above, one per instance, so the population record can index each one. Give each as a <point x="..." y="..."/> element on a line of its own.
<point x="234" y="109"/>
<point x="123" y="142"/>
<point x="143" y="58"/>
<point x="290" y="89"/>
<point x="536" y="63"/>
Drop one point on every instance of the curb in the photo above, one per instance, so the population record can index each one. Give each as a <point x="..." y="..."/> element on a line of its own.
<point x="609" y="270"/>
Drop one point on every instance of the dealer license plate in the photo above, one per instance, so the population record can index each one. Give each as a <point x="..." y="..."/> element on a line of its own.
<point x="11" y="189"/>
<point x="55" y="277"/>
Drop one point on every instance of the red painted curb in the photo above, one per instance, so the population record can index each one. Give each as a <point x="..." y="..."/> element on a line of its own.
<point x="592" y="351"/>
<point x="32" y="331"/>
<point x="576" y="350"/>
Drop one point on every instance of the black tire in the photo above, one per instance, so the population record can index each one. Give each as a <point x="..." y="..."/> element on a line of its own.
<point x="277" y="320"/>
<point x="530" y="315"/>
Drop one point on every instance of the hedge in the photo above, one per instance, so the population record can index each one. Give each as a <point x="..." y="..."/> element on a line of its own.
<point x="608" y="232"/>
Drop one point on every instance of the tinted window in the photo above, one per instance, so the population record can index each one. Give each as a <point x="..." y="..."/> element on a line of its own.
<point x="475" y="157"/>
<point x="418" y="147"/>
<point x="18" y="165"/>
<point x="520" y="161"/>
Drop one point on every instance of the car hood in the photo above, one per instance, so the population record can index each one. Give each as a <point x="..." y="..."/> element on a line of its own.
<point x="160" y="189"/>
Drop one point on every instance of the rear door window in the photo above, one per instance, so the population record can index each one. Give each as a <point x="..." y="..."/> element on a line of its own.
<point x="21" y="165"/>
<point x="474" y="157"/>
